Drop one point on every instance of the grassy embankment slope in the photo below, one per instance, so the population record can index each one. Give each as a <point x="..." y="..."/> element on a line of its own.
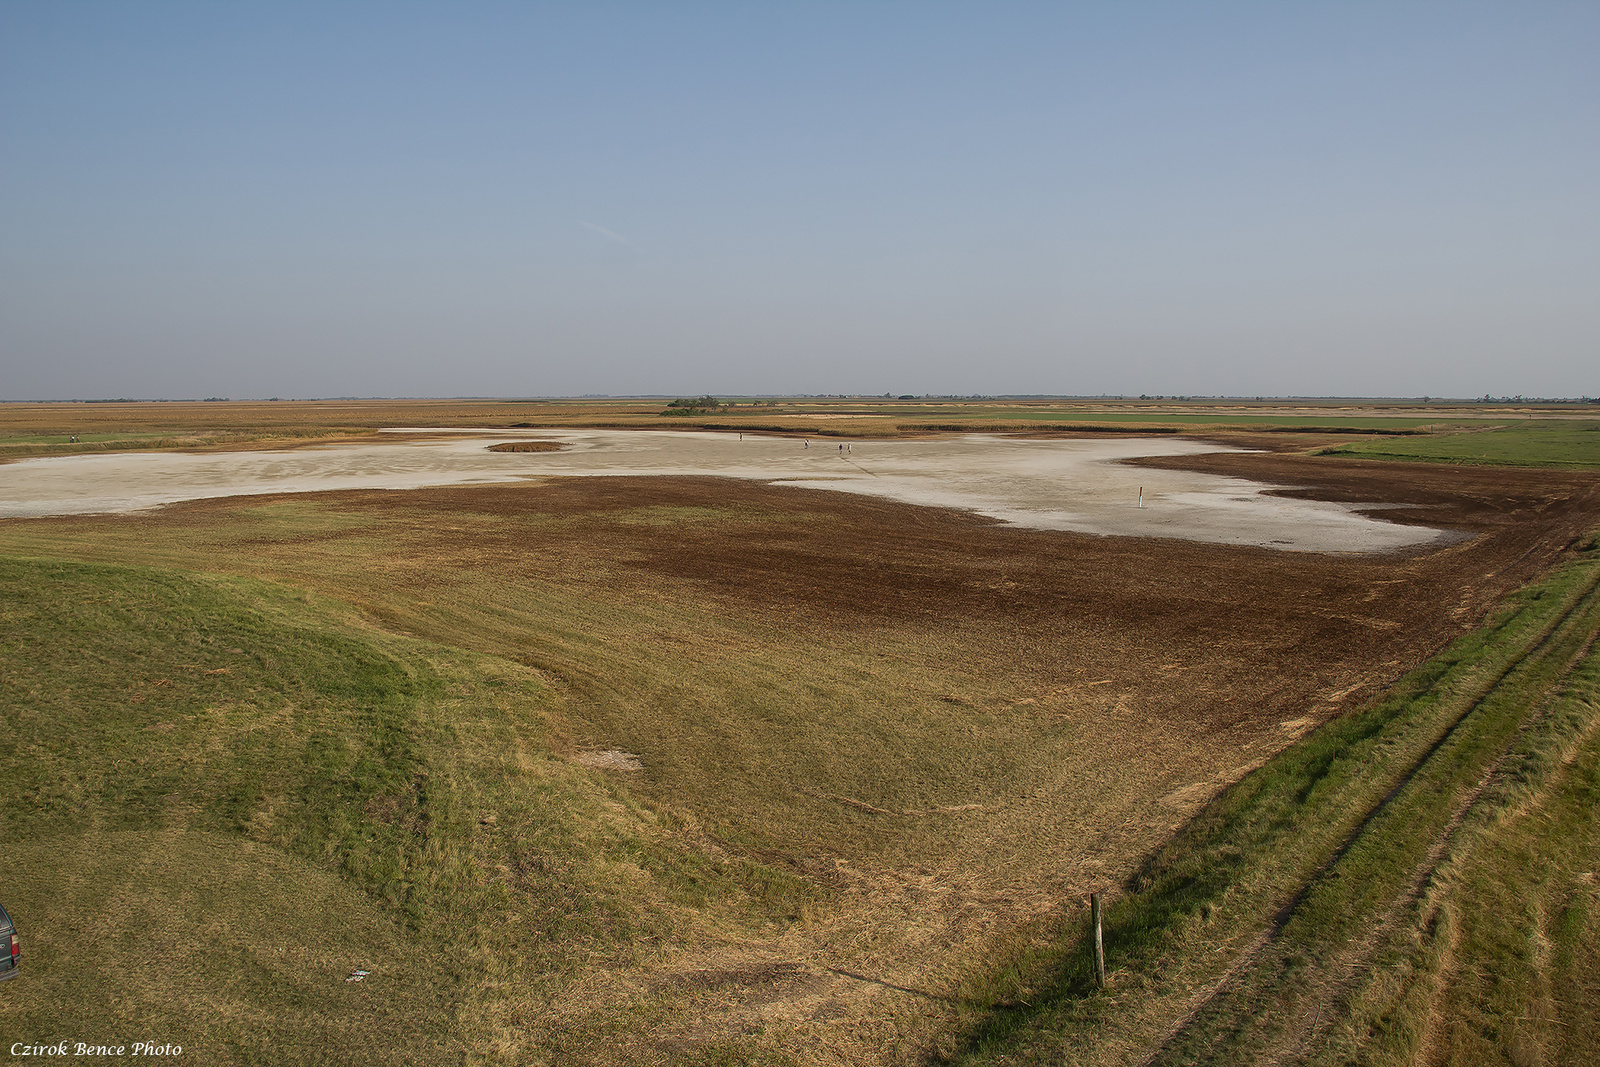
<point x="219" y="797"/>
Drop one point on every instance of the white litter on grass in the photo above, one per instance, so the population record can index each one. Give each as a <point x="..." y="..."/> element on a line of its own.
<point x="612" y="759"/>
<point x="357" y="975"/>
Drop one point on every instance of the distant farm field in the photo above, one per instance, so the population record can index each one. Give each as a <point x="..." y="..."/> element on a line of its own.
<point x="46" y="428"/>
<point x="695" y="770"/>
<point x="1547" y="443"/>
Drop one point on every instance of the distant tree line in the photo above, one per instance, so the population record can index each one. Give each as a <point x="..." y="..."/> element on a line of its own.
<point x="696" y="406"/>
<point x="702" y="405"/>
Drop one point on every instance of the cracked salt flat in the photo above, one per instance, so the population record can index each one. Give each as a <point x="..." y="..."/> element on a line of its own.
<point x="1074" y="485"/>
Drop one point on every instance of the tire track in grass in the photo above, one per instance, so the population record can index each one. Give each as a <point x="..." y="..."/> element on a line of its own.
<point x="1259" y="945"/>
<point x="1256" y="848"/>
<point x="1466" y="916"/>
<point x="1228" y="1018"/>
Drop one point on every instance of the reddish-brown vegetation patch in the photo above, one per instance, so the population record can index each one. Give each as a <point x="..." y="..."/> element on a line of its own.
<point x="528" y="446"/>
<point x="1256" y="633"/>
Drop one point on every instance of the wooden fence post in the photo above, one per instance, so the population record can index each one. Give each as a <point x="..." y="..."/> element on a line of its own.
<point x="1099" y="945"/>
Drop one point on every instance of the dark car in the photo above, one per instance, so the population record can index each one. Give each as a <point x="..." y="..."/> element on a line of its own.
<point x="10" y="947"/>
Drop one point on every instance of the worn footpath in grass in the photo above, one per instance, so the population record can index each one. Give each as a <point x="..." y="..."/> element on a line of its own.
<point x="1237" y="930"/>
<point x="1295" y="997"/>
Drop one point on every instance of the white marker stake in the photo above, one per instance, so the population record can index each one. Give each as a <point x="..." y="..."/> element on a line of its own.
<point x="1141" y="496"/>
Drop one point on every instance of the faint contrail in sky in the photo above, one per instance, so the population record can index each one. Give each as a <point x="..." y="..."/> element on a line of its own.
<point x="603" y="232"/>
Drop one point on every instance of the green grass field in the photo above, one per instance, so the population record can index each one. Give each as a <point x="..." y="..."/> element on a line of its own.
<point x="20" y="446"/>
<point x="1543" y="443"/>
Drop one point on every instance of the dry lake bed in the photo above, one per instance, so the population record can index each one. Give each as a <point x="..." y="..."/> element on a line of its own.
<point x="1077" y="485"/>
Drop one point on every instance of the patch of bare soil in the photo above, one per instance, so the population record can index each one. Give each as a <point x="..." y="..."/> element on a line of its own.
<point x="612" y="759"/>
<point x="1524" y="504"/>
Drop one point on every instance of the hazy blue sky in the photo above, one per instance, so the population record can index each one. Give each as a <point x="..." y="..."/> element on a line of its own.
<point x="403" y="199"/>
